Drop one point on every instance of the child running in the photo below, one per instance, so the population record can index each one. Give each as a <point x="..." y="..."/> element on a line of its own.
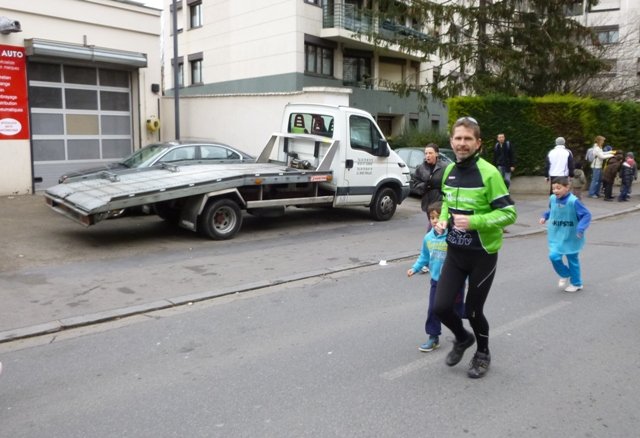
<point x="567" y="219"/>
<point x="433" y="252"/>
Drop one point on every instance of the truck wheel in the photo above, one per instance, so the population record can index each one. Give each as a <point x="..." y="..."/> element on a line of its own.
<point x="384" y="204"/>
<point x="220" y="219"/>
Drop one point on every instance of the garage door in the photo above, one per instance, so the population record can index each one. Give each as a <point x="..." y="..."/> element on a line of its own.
<point x="80" y="117"/>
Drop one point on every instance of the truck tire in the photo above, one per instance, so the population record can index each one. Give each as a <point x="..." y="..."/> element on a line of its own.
<point x="384" y="204"/>
<point x="220" y="220"/>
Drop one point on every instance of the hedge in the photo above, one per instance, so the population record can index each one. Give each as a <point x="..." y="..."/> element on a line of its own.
<point x="532" y="124"/>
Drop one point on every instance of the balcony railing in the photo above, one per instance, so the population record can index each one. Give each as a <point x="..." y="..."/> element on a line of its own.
<point x="348" y="17"/>
<point x="345" y="16"/>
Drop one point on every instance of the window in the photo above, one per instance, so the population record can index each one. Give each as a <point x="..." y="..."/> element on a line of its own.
<point x="605" y="5"/>
<point x="573" y="9"/>
<point x="356" y="70"/>
<point x="314" y="2"/>
<point x="611" y="68"/>
<point x="179" y="154"/>
<point x="218" y="153"/>
<point x="362" y="134"/>
<point x="195" y="14"/>
<point x="195" y="67"/>
<point x="318" y="60"/>
<point x="196" y="71"/>
<point x="317" y="124"/>
<point x="180" y="71"/>
<point x="606" y="35"/>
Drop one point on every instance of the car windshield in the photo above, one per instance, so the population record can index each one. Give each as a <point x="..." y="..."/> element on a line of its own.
<point x="145" y="155"/>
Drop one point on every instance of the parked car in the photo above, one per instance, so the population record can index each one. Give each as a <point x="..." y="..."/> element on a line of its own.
<point x="171" y="152"/>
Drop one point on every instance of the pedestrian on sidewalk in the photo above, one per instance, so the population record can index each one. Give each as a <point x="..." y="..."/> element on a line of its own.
<point x="596" y="166"/>
<point x="609" y="176"/>
<point x="504" y="158"/>
<point x="628" y="173"/>
<point x="432" y="254"/>
<point x="567" y="220"/>
<point x="559" y="162"/>
<point x="476" y="207"/>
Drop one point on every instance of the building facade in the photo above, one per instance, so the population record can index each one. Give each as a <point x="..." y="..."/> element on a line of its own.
<point x="617" y="39"/>
<point x="236" y="57"/>
<point x="88" y="80"/>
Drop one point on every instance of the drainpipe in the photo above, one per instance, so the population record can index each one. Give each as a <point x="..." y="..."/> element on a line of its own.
<point x="176" y="79"/>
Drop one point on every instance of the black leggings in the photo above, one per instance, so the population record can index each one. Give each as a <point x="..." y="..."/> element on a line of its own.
<point x="479" y="268"/>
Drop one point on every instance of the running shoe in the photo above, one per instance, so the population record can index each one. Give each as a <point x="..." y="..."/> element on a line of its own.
<point x="456" y="353"/>
<point x="479" y="365"/>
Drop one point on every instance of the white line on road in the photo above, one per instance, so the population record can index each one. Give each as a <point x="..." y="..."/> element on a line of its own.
<point x="403" y="370"/>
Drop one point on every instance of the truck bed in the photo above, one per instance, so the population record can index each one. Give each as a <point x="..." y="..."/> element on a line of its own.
<point x="82" y="199"/>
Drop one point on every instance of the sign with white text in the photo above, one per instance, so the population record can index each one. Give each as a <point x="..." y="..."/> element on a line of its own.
<point x="14" y="102"/>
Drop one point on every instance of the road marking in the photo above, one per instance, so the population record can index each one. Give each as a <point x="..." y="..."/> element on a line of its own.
<point x="403" y="370"/>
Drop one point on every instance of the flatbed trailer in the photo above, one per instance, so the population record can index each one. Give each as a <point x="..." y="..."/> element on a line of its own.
<point x="309" y="169"/>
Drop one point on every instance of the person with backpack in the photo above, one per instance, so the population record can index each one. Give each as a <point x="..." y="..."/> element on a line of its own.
<point x="504" y="158"/>
<point x="596" y="166"/>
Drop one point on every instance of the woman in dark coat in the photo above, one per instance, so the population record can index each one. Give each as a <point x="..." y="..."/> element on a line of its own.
<point x="428" y="177"/>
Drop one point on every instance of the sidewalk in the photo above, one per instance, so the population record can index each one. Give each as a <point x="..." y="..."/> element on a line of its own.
<point x="39" y="248"/>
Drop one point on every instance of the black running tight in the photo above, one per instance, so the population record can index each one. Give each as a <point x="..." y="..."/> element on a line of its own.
<point x="479" y="268"/>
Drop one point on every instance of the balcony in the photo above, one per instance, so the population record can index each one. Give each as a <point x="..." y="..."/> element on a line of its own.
<point x="340" y="22"/>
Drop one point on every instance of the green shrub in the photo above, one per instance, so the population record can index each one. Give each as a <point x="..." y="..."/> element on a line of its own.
<point x="532" y="124"/>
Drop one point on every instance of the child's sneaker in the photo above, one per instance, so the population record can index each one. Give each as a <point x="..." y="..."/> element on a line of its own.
<point x="572" y="288"/>
<point x="563" y="282"/>
<point x="430" y="345"/>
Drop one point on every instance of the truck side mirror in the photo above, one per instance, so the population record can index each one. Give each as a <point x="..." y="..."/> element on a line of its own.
<point x="383" y="149"/>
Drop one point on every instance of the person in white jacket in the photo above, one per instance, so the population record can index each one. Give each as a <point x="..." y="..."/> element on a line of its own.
<point x="596" y="166"/>
<point x="559" y="162"/>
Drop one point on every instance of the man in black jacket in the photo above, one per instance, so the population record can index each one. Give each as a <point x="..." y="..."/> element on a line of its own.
<point x="504" y="158"/>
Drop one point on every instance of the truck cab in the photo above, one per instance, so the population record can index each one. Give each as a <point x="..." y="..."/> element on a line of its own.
<point x="363" y="163"/>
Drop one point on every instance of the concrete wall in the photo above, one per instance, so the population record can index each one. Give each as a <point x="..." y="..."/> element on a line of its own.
<point x="529" y="185"/>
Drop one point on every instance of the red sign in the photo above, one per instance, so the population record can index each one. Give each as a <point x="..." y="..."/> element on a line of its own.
<point x="14" y="103"/>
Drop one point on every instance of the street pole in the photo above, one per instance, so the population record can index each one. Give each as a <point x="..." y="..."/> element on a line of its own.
<point x="176" y="78"/>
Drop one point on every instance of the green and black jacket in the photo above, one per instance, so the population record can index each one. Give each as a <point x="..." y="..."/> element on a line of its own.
<point x="475" y="187"/>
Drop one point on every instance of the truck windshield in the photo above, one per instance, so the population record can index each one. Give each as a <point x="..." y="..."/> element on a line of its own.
<point x="305" y="123"/>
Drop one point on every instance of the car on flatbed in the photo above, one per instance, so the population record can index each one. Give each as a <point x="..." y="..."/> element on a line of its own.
<point x="174" y="152"/>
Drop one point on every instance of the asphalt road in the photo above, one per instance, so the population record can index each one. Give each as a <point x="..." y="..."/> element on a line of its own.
<point x="336" y="356"/>
<point x="55" y="274"/>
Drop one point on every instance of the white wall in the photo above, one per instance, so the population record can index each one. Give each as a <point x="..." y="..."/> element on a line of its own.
<point x="243" y="121"/>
